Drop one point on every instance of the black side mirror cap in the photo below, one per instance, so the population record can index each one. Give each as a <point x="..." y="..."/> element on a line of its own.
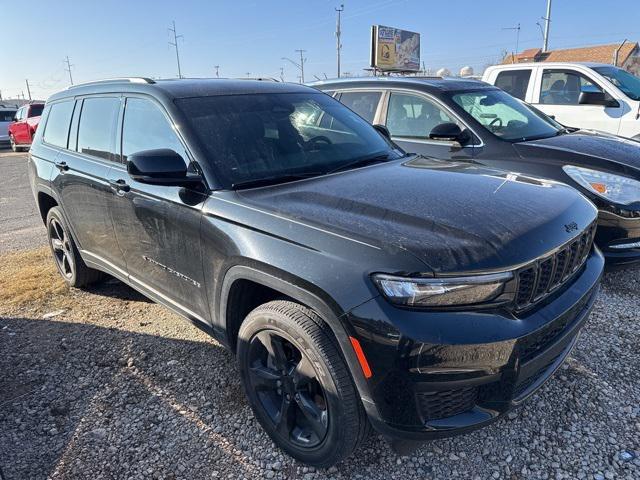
<point x="384" y="131"/>
<point x="448" y="131"/>
<point x="160" y="167"/>
<point x="597" y="98"/>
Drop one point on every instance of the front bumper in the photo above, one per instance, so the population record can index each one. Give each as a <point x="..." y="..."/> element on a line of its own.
<point x="616" y="230"/>
<point x="438" y="374"/>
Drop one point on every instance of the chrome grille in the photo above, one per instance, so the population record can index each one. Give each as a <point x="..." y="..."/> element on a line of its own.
<point x="537" y="280"/>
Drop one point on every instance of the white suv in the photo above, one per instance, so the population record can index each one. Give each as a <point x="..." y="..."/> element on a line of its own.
<point x="585" y="95"/>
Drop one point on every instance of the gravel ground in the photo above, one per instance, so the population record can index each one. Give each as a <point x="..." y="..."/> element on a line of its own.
<point x="21" y="224"/>
<point x="103" y="384"/>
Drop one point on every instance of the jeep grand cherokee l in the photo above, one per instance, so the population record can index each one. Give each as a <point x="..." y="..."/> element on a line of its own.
<point x="358" y="285"/>
<point x="466" y="119"/>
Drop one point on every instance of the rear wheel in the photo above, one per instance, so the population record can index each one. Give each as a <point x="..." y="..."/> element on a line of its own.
<point x="14" y="146"/>
<point x="65" y="253"/>
<point x="298" y="385"/>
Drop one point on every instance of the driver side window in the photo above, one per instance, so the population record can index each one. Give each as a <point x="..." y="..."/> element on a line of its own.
<point x="564" y="88"/>
<point x="414" y="116"/>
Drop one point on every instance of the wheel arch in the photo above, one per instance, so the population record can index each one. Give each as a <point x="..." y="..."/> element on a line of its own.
<point x="45" y="203"/>
<point x="310" y="296"/>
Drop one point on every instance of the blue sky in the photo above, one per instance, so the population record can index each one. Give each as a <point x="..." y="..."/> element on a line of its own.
<point x="121" y="38"/>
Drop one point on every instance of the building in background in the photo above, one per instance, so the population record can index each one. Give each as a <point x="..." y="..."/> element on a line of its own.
<point x="625" y="55"/>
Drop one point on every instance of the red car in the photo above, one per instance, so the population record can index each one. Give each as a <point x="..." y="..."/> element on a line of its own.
<point x="24" y="126"/>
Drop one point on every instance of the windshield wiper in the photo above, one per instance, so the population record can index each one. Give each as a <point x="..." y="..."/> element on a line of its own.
<point x="362" y="162"/>
<point x="274" y="179"/>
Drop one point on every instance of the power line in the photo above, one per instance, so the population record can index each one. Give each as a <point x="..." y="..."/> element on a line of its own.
<point x="175" y="44"/>
<point x="68" y="69"/>
<point x="338" y="33"/>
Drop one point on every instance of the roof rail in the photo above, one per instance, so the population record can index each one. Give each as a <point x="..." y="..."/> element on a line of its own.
<point x="261" y="79"/>
<point x="108" y="81"/>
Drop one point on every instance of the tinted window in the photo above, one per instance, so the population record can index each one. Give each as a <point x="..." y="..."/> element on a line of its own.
<point x="146" y="128"/>
<point x="251" y="137"/>
<point x="363" y="103"/>
<point x="414" y="116"/>
<point x="505" y="116"/>
<point x="563" y="88"/>
<point x="36" y="110"/>
<point x="57" y="127"/>
<point x="7" y="115"/>
<point x="97" y="127"/>
<point x="514" y="82"/>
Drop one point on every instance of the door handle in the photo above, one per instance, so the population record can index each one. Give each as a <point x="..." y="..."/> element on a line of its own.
<point x="119" y="185"/>
<point x="62" y="166"/>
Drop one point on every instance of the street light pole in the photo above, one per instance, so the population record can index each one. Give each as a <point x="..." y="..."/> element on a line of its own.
<point x="547" y="21"/>
<point x="338" y="34"/>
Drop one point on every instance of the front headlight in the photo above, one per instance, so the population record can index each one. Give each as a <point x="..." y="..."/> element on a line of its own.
<point x="616" y="188"/>
<point x="442" y="292"/>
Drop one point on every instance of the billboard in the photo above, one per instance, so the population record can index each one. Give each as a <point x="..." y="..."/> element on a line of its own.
<point x="393" y="49"/>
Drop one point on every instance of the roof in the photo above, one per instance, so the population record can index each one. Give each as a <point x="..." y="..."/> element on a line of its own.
<point x="428" y="83"/>
<point x="594" y="53"/>
<point x="182" y="88"/>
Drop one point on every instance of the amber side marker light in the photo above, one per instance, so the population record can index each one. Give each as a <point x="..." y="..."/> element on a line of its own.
<point x="361" y="358"/>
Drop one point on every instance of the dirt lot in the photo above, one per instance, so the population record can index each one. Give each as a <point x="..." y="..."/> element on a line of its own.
<point x="102" y="384"/>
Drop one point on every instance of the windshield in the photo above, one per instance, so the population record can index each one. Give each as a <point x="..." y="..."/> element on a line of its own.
<point x="505" y="116"/>
<point x="260" y="136"/>
<point x="628" y="83"/>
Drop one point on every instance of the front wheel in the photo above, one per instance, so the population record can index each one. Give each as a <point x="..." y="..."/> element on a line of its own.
<point x="65" y="253"/>
<point x="298" y="385"/>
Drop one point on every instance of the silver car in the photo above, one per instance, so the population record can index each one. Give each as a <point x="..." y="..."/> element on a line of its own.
<point x="6" y="117"/>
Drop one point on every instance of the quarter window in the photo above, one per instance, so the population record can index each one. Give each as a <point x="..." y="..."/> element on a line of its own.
<point x="97" y="127"/>
<point x="57" y="128"/>
<point x="514" y="82"/>
<point x="564" y="88"/>
<point x="147" y="128"/>
<point x="364" y="104"/>
<point x="413" y="116"/>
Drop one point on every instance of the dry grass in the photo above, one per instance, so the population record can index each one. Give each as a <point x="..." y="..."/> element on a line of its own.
<point x="29" y="276"/>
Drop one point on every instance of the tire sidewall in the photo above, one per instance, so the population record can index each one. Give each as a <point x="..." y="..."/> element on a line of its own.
<point x="330" y="446"/>
<point x="56" y="213"/>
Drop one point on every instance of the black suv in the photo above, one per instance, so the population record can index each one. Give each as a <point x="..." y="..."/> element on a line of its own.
<point x="463" y="119"/>
<point x="358" y="285"/>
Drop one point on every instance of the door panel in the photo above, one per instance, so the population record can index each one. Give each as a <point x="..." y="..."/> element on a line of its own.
<point x="158" y="227"/>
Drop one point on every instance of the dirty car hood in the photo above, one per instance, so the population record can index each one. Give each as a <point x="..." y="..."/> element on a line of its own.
<point x="455" y="217"/>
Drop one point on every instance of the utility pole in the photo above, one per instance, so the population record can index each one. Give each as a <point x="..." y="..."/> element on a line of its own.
<point x="517" y="29"/>
<point x="302" y="60"/>
<point x="217" y="67"/>
<point x="338" y="33"/>
<point x="68" y="69"/>
<point x="547" y="21"/>
<point x="175" y="44"/>
<point x="282" y="74"/>
<point x="300" y="65"/>
<point x="28" y="89"/>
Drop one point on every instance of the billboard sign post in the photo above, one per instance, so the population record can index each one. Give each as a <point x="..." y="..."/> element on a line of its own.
<point x="394" y="50"/>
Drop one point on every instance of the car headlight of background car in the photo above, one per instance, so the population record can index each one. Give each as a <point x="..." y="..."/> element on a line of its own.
<point x="444" y="291"/>
<point x="615" y="188"/>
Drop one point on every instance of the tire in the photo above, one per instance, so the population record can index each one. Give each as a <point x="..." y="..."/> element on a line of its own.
<point x="328" y="421"/>
<point x="15" y="148"/>
<point x="65" y="253"/>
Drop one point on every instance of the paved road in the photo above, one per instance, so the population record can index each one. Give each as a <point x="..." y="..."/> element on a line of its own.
<point x="20" y="224"/>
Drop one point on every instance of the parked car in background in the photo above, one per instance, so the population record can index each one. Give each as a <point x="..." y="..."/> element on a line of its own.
<point x="455" y="119"/>
<point x="6" y="117"/>
<point x="24" y="126"/>
<point x="357" y="284"/>
<point x="591" y="96"/>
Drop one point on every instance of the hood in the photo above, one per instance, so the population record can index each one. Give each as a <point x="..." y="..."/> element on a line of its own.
<point x="455" y="217"/>
<point x="585" y="147"/>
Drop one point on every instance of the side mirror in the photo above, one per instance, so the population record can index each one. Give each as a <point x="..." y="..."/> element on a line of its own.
<point x="451" y="132"/>
<point x="597" y="98"/>
<point x="384" y="131"/>
<point x="160" y="167"/>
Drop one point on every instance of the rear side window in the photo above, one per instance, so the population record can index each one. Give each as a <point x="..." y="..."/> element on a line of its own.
<point x="147" y="128"/>
<point x="96" y="132"/>
<point x="514" y="82"/>
<point x="364" y="104"/>
<point x="35" y="110"/>
<point x="57" y="128"/>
